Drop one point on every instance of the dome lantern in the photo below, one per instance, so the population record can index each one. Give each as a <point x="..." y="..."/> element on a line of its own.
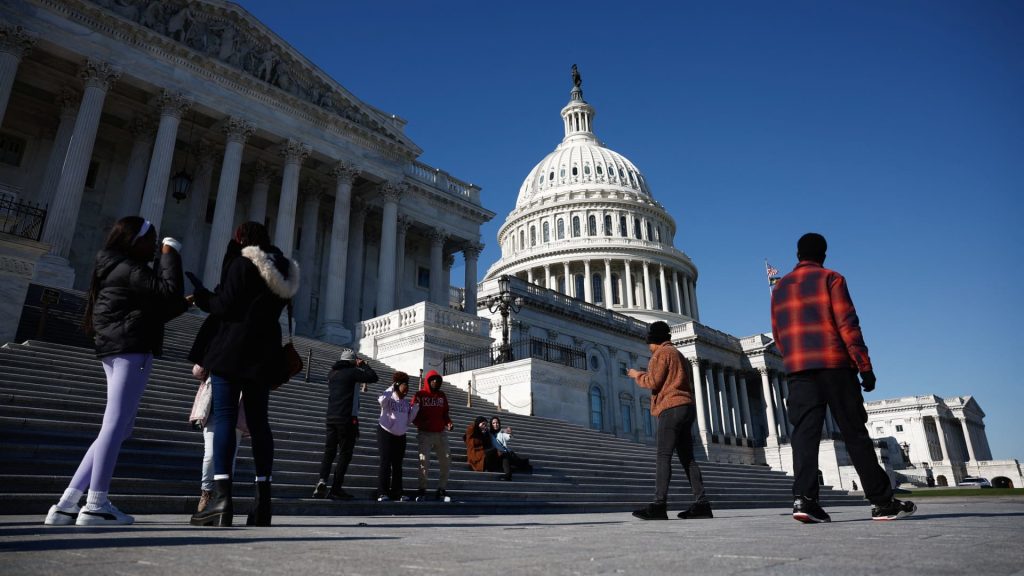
<point x="578" y="116"/>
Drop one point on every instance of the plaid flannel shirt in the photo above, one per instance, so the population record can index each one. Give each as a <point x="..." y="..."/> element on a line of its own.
<point x="814" y="322"/>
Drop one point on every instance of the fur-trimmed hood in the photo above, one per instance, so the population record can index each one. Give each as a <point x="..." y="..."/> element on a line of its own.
<point x="279" y="272"/>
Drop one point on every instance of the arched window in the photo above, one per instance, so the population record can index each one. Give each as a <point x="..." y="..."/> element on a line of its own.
<point x="546" y="232"/>
<point x="522" y="240"/>
<point x="599" y="172"/>
<point x="596" y="408"/>
<point x="598" y="287"/>
<point x="615" y="289"/>
<point x="579" y="283"/>
<point x="591" y="225"/>
<point x="623" y="227"/>
<point x="586" y="169"/>
<point x="575" y="171"/>
<point x="650" y="233"/>
<point x="637" y="231"/>
<point x="626" y="412"/>
<point x="607" y="224"/>
<point x="575" y="226"/>
<point x="648" y="419"/>
<point x="533" y="235"/>
<point x="560" y="229"/>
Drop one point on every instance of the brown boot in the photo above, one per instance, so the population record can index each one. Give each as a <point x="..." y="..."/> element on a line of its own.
<point x="204" y="499"/>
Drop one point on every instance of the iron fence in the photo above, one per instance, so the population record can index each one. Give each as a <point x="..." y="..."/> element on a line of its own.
<point x="21" y="219"/>
<point x="532" y="348"/>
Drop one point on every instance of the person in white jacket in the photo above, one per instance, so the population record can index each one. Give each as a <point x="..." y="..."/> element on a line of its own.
<point x="396" y="413"/>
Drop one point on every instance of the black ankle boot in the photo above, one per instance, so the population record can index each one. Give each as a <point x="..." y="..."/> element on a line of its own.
<point x="219" y="512"/>
<point x="260" y="515"/>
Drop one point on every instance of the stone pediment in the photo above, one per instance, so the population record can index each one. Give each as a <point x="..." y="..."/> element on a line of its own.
<point x="227" y="33"/>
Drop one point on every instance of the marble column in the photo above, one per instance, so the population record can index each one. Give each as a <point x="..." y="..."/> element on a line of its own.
<point x="748" y="432"/>
<point x="769" y="400"/>
<point x="734" y="405"/>
<point x="437" y="240"/>
<point x="588" y="286"/>
<point x="59" y="230"/>
<point x="547" y="277"/>
<point x="628" y="288"/>
<point x="663" y="284"/>
<point x="15" y="44"/>
<point x="568" y="280"/>
<point x="138" y="164"/>
<point x="293" y="152"/>
<point x="940" y="429"/>
<point x="648" y="291"/>
<point x="193" y="255"/>
<point x="693" y="296"/>
<point x="312" y="195"/>
<point x="262" y="175"/>
<point x="402" y="231"/>
<point x="698" y="390"/>
<point x="333" y="329"/>
<point x="449" y="262"/>
<point x="391" y="193"/>
<point x="529" y="276"/>
<point x="68" y="101"/>
<point x="675" y="291"/>
<point x="608" y="300"/>
<point x="727" y="423"/>
<point x="356" y="255"/>
<point x="172" y="107"/>
<point x="781" y="405"/>
<point x="236" y="132"/>
<point x="709" y="381"/>
<point x="967" y="438"/>
<point x="687" y="307"/>
<point x="471" y="253"/>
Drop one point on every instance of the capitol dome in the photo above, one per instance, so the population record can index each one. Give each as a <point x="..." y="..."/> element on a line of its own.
<point x="587" y="225"/>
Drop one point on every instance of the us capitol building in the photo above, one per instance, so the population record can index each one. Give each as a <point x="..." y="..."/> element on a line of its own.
<point x="197" y="116"/>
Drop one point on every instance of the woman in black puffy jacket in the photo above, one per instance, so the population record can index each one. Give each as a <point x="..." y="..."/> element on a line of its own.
<point x="128" y="305"/>
<point x="245" y="356"/>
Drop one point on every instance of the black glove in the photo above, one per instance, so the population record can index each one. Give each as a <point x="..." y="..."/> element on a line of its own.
<point x="867" y="380"/>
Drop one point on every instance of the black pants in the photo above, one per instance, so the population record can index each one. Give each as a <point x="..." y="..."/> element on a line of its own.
<point x="340" y="436"/>
<point x="810" y="392"/>
<point x="675" y="435"/>
<point x="392" y="452"/>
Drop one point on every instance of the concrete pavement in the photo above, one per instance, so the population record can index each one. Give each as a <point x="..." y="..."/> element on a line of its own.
<point x="946" y="536"/>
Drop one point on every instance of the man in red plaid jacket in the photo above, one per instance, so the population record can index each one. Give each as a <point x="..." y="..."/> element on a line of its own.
<point x="818" y="333"/>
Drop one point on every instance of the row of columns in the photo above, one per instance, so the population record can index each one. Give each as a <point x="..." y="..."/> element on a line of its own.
<point x="684" y="289"/>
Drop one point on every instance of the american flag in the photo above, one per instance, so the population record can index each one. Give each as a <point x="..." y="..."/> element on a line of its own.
<point x="773" y="273"/>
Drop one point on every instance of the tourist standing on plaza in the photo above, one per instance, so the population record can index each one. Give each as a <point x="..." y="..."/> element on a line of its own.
<point x="246" y="356"/>
<point x="128" y="305"/>
<point x="817" y="331"/>
<point x="672" y="404"/>
<point x="342" y="421"/>
<point x="396" y="413"/>
<point x="432" y="424"/>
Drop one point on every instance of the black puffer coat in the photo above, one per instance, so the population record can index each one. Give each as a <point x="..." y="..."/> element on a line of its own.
<point x="248" y="303"/>
<point x="134" y="302"/>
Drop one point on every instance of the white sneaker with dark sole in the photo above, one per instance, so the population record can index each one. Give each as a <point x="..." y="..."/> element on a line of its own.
<point x="58" y="516"/>
<point x="105" y="515"/>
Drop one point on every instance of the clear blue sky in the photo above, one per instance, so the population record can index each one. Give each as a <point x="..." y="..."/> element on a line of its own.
<point x="896" y="129"/>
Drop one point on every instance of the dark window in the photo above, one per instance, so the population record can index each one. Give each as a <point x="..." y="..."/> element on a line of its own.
<point x="637" y="231"/>
<point x="899" y="427"/>
<point x="648" y="420"/>
<point x="560" y="229"/>
<point x="12" y="149"/>
<point x="575" y="226"/>
<point x="650" y="233"/>
<point x="599" y="170"/>
<point x="579" y="281"/>
<point x="607" y="224"/>
<point x="597" y="287"/>
<point x="423" y="277"/>
<point x="596" y="408"/>
<point x="592" y="225"/>
<point x="615" y="289"/>
<point x="546" y="232"/>
<point x="533" y="235"/>
<point x="623" y="227"/>
<point x="627" y="416"/>
<point x="575" y="171"/>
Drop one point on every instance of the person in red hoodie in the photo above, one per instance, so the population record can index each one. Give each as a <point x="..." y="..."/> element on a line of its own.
<point x="432" y="422"/>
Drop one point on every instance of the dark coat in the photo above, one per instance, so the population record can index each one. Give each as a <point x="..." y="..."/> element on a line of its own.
<point x="481" y="455"/>
<point x="134" y="302"/>
<point x="248" y="303"/>
<point x="343" y="398"/>
<point x="211" y="325"/>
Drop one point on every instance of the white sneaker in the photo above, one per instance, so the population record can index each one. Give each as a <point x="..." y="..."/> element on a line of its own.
<point x="383" y="499"/>
<point x="105" y="515"/>
<point x="58" y="516"/>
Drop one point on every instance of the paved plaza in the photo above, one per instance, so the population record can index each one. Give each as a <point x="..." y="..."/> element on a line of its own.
<point x="947" y="536"/>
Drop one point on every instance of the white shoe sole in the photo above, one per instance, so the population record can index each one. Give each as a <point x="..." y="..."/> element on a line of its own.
<point x="102" y="519"/>
<point x="58" y="517"/>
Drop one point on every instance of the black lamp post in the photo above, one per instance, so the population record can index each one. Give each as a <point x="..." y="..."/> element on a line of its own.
<point x="505" y="304"/>
<point x="181" y="182"/>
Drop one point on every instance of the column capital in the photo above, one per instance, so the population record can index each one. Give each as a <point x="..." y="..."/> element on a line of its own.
<point x="449" y="260"/>
<point x="15" y="40"/>
<point x="293" y="151"/>
<point x="142" y="128"/>
<point x="174" y="104"/>
<point x="97" y="74"/>
<point x="438" y="236"/>
<point x="472" y="250"/>
<point x="345" y="172"/>
<point x="263" y="172"/>
<point x="68" y="99"/>
<point x="393" y="191"/>
<point x="695" y="361"/>
<point x="237" y="129"/>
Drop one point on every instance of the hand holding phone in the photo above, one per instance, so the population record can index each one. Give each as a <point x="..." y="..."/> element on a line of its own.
<point x="197" y="284"/>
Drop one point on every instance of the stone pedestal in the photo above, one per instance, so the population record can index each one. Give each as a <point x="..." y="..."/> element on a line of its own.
<point x="55" y="271"/>
<point x="334" y="331"/>
<point x="19" y="259"/>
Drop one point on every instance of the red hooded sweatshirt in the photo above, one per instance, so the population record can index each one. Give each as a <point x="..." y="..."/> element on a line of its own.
<point x="433" y="414"/>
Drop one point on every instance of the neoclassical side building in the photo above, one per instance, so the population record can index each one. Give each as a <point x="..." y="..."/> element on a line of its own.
<point x="115" y="107"/>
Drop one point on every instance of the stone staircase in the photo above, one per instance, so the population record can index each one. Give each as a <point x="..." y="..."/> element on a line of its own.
<point x="51" y="404"/>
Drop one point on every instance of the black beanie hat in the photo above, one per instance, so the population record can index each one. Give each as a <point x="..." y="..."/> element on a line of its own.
<point x="658" y="332"/>
<point x="811" y="246"/>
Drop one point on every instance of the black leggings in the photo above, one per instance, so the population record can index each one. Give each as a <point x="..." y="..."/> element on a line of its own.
<point x="389" y="475"/>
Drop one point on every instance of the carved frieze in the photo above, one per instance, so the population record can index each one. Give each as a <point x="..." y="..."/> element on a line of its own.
<point x="17" y="266"/>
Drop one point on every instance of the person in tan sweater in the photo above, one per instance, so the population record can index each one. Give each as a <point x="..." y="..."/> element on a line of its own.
<point x="672" y="404"/>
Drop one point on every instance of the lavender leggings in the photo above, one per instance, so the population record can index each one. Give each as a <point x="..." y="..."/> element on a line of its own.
<point x="127" y="375"/>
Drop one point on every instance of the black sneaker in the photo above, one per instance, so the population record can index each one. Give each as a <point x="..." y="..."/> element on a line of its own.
<point x="421" y="495"/>
<point x="809" y="512"/>
<point x="697" y="510"/>
<point x="321" y="489"/>
<point x="894" y="510"/>
<point x="651" y="512"/>
<point x="339" y="495"/>
<point x="442" y="495"/>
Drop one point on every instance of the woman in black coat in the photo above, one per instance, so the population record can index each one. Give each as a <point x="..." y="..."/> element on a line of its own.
<point x="245" y="356"/>
<point x="128" y="305"/>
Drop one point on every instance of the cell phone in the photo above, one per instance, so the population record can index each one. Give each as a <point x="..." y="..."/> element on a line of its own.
<point x="197" y="284"/>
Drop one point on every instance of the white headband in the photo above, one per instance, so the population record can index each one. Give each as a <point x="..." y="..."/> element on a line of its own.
<point x="142" y="231"/>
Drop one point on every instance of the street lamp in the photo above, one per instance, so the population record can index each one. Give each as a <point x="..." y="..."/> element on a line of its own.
<point x="504" y="303"/>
